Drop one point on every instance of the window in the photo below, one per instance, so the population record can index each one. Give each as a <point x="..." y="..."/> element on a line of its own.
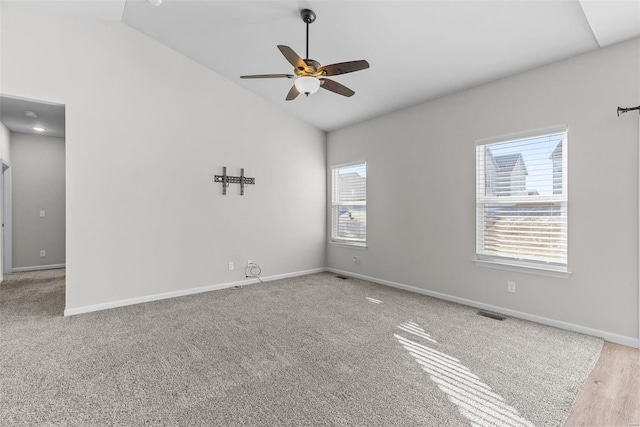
<point x="349" y="204"/>
<point x="521" y="201"/>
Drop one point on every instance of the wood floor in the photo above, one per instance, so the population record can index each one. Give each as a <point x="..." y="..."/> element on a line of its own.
<point x="611" y="395"/>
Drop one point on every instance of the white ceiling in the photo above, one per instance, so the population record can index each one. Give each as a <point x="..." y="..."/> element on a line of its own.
<point x="418" y="50"/>
<point x="50" y="116"/>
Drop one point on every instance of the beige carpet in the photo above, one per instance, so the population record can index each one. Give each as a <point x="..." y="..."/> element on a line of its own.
<point x="313" y="350"/>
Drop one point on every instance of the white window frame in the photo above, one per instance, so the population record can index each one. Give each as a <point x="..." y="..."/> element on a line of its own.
<point x="512" y="263"/>
<point x="335" y="202"/>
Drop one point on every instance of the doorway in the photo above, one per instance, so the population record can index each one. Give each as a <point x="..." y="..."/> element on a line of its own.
<point x="32" y="185"/>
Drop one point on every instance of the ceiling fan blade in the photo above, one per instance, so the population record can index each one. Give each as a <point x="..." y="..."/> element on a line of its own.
<point x="344" y="67"/>
<point x="293" y="93"/>
<point x="268" y="76"/>
<point x="293" y="58"/>
<point x="335" y="87"/>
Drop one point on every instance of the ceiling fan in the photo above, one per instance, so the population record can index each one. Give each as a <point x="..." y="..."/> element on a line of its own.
<point x="309" y="75"/>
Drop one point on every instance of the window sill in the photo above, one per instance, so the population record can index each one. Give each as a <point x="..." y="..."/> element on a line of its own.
<point x="351" y="245"/>
<point x="541" y="271"/>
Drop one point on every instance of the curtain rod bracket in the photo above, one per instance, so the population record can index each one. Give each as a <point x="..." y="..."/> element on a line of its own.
<point x="626" y="110"/>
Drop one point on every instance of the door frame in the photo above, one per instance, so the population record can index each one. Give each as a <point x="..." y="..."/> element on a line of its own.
<point x="7" y="246"/>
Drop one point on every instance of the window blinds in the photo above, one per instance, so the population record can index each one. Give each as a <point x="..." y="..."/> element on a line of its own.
<point x="521" y="199"/>
<point x="349" y="203"/>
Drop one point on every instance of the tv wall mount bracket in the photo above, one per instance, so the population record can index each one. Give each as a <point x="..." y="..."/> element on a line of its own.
<point x="226" y="180"/>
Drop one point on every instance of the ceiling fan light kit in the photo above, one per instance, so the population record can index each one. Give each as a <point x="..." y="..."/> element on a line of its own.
<point x="308" y="73"/>
<point x="307" y="85"/>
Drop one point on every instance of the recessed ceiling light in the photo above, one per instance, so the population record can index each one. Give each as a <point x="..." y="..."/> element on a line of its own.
<point x="39" y="129"/>
<point x="31" y="114"/>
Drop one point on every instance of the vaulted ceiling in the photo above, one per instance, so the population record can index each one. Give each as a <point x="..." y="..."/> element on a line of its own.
<point x="418" y="50"/>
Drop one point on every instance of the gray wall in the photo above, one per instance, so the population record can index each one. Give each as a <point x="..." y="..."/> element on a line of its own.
<point x="421" y="191"/>
<point x="146" y="130"/>
<point x="37" y="166"/>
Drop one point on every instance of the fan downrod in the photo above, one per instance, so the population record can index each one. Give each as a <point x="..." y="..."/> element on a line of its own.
<point x="308" y="16"/>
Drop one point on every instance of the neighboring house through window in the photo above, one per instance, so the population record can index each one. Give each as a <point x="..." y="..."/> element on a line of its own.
<point x="521" y="201"/>
<point x="556" y="158"/>
<point x="507" y="174"/>
<point x="349" y="204"/>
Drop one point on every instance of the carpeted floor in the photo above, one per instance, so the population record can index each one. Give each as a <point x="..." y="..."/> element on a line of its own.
<point x="312" y="350"/>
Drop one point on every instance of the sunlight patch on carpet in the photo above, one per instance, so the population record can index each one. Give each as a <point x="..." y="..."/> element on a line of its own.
<point x="475" y="400"/>
<point x="414" y="329"/>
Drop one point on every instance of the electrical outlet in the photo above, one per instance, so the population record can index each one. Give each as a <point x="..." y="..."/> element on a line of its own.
<point x="231" y="265"/>
<point x="511" y="287"/>
<point x="249" y="262"/>
<point x="356" y="260"/>
<point x="43" y="253"/>
<point x="42" y="214"/>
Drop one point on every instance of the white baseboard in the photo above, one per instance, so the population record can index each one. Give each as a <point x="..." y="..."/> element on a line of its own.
<point x="37" y="267"/>
<point x="294" y="274"/>
<point x="609" y="336"/>
<point x="183" y="292"/>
